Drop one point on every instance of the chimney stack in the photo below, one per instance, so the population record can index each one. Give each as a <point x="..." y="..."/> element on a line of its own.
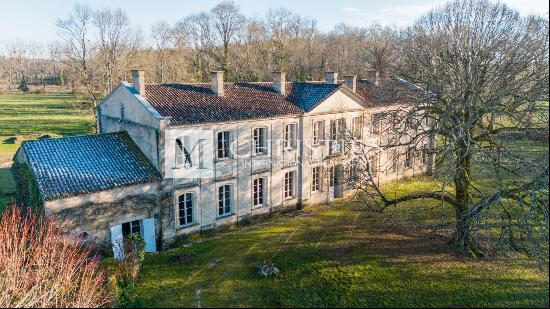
<point x="138" y="81"/>
<point x="351" y="82"/>
<point x="279" y="82"/>
<point x="217" y="82"/>
<point x="331" y="77"/>
<point x="373" y="76"/>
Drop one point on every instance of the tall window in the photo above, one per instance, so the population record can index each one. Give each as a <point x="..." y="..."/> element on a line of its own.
<point x="409" y="157"/>
<point x="374" y="162"/>
<point x="376" y="124"/>
<point x="224" y="200"/>
<point x="331" y="176"/>
<point x="289" y="184"/>
<point x="425" y="154"/>
<point x="223" y="145"/>
<point x="185" y="208"/>
<point x="318" y="132"/>
<point x="290" y="135"/>
<point x="357" y="127"/>
<point x="337" y="129"/>
<point x="260" y="145"/>
<point x="316" y="179"/>
<point x="259" y="191"/>
<point x="122" y="115"/>
<point x="393" y="159"/>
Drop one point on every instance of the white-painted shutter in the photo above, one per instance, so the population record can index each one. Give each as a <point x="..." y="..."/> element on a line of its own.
<point x="149" y="235"/>
<point x="117" y="241"/>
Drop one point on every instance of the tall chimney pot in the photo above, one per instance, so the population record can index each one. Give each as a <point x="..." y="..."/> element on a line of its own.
<point x="351" y="82"/>
<point x="279" y="82"/>
<point x="138" y="81"/>
<point x="217" y="82"/>
<point x="331" y="77"/>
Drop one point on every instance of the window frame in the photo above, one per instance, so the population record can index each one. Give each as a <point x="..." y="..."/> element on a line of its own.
<point x="376" y="123"/>
<point x="409" y="158"/>
<point x="289" y="187"/>
<point x="259" y="198"/>
<point x="290" y="142"/>
<point x="225" y="200"/>
<point x="357" y="132"/>
<point x="316" y="184"/>
<point x="263" y="147"/>
<point x="186" y="215"/>
<point x="223" y="150"/>
<point x="318" y="132"/>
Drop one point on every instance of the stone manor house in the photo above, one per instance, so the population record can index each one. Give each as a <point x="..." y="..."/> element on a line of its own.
<point x="175" y="159"/>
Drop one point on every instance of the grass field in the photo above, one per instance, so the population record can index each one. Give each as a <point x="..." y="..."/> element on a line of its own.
<point x="29" y="116"/>
<point x="339" y="256"/>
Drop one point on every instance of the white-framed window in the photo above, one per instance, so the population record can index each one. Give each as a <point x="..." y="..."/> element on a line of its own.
<point x="259" y="191"/>
<point x="318" y="132"/>
<point x="289" y="184"/>
<point x="186" y="203"/>
<point x="376" y="123"/>
<point x="224" y="200"/>
<point x="224" y="144"/>
<point x="357" y="127"/>
<point x="316" y="178"/>
<point x="337" y="129"/>
<point x="331" y="176"/>
<point x="260" y="140"/>
<point x="409" y="157"/>
<point x="290" y="135"/>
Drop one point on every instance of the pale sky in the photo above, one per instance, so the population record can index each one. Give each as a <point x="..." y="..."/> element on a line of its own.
<point x="35" y="19"/>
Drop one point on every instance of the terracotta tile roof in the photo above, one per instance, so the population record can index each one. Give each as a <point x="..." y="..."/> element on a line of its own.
<point x="389" y="91"/>
<point x="196" y="103"/>
<point x="77" y="165"/>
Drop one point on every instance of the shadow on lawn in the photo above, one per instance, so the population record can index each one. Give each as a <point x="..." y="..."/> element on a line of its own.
<point x="335" y="257"/>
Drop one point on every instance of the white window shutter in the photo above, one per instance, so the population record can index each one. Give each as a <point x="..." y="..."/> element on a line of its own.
<point x="117" y="242"/>
<point x="149" y="235"/>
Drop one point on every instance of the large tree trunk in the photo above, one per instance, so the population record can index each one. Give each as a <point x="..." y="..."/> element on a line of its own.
<point x="463" y="240"/>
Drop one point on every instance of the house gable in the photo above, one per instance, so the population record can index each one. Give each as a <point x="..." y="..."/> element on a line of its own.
<point x="340" y="101"/>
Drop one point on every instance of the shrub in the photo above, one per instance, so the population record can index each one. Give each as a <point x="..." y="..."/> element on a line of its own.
<point x="39" y="267"/>
<point x="127" y="270"/>
<point x="23" y="85"/>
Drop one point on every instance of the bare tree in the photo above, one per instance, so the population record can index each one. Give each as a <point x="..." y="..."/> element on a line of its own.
<point x="77" y="48"/>
<point x="163" y="39"/>
<point x="227" y="22"/>
<point x="117" y="42"/>
<point x="476" y="62"/>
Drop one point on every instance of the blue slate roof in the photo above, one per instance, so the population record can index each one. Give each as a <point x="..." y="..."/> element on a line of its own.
<point x="308" y="95"/>
<point x="76" y="165"/>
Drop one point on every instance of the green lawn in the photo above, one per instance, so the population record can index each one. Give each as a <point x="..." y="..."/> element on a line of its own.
<point x="29" y="116"/>
<point x="340" y="256"/>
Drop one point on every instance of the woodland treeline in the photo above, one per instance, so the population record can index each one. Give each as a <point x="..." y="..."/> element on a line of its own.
<point x="96" y="48"/>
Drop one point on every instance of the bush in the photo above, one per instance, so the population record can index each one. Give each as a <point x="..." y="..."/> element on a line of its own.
<point x="23" y="85"/>
<point x="39" y="267"/>
<point x="127" y="270"/>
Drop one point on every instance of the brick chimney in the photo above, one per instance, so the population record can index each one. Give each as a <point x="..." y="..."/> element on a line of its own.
<point x="279" y="82"/>
<point x="217" y="82"/>
<point x="373" y="76"/>
<point x="331" y="77"/>
<point x="138" y="81"/>
<point x="351" y="82"/>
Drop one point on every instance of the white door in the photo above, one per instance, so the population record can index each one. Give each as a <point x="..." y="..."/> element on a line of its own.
<point x="117" y="241"/>
<point x="149" y="235"/>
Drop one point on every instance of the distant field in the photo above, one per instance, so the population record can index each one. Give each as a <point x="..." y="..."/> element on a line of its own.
<point x="29" y="116"/>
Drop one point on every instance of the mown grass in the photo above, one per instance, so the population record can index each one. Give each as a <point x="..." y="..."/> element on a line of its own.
<point x="339" y="255"/>
<point x="29" y="116"/>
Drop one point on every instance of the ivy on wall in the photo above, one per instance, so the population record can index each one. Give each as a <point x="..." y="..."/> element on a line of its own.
<point x="27" y="193"/>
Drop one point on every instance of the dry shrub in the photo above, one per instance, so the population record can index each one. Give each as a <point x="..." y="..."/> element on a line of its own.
<point x="39" y="267"/>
